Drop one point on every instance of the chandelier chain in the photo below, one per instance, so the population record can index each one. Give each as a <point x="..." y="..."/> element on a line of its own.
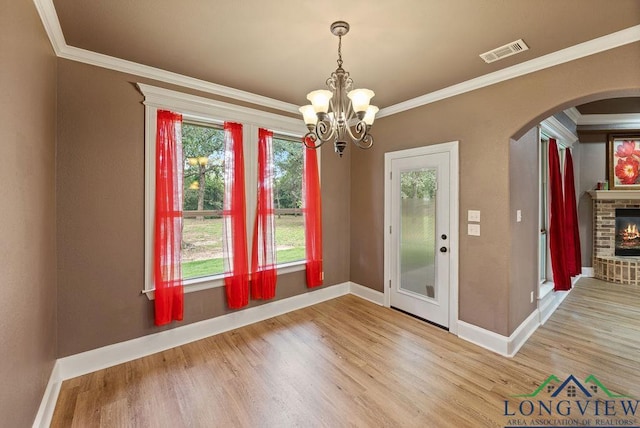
<point x="339" y="51"/>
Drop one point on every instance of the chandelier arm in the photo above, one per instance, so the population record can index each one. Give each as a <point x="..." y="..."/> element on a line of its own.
<point x="332" y="109"/>
<point x="359" y="129"/>
<point x="325" y="130"/>
<point x="361" y="137"/>
<point x="348" y="117"/>
<point x="367" y="139"/>
<point x="354" y="137"/>
<point x="313" y="137"/>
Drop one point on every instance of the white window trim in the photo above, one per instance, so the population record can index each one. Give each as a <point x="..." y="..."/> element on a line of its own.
<point x="206" y="110"/>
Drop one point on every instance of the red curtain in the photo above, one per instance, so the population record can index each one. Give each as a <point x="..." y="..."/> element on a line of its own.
<point x="234" y="219"/>
<point x="573" y="257"/>
<point x="263" y="254"/>
<point x="169" y="302"/>
<point x="561" y="277"/>
<point x="312" y="218"/>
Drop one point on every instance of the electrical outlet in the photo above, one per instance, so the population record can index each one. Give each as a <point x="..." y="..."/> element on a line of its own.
<point x="532" y="297"/>
<point x="518" y="216"/>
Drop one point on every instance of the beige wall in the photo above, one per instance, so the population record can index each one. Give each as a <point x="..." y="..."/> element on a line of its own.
<point x="27" y="213"/>
<point x="593" y="169"/>
<point x="483" y="121"/>
<point x="523" y="196"/>
<point x="100" y="210"/>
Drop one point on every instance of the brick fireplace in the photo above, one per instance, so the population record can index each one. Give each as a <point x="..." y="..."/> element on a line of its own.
<point x="606" y="265"/>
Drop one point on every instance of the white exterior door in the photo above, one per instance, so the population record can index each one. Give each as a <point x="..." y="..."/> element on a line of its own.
<point x="421" y="245"/>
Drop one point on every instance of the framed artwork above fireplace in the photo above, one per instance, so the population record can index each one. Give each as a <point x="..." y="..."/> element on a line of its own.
<point x="623" y="161"/>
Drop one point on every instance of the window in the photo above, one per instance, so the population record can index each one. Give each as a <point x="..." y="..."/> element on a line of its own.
<point x="203" y="152"/>
<point x="203" y="190"/>
<point x="287" y="171"/>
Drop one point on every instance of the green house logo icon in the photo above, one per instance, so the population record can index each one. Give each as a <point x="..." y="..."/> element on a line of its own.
<point x="572" y="388"/>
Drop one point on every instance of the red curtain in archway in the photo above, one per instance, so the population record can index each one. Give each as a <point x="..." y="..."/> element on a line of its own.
<point x="573" y="257"/>
<point x="561" y="277"/>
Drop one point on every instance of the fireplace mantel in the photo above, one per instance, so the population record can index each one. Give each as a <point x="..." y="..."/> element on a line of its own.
<point x="612" y="195"/>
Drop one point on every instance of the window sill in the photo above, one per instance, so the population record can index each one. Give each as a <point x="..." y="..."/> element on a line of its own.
<point x="215" y="281"/>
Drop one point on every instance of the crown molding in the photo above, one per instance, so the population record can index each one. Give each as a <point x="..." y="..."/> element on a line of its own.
<point x="630" y="119"/>
<point x="610" y="41"/>
<point x="573" y="114"/>
<point x="617" y="121"/>
<point x="553" y="128"/>
<point x="49" y="18"/>
<point x="130" y="67"/>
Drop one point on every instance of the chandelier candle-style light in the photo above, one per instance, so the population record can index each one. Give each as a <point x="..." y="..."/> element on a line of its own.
<point x="331" y="117"/>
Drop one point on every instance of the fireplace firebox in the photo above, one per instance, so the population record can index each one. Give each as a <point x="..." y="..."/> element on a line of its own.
<point x="627" y="232"/>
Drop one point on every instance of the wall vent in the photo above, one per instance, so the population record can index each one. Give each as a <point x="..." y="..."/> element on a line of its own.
<point x="504" y="51"/>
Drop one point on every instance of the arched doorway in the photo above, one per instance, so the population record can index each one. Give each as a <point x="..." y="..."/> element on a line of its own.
<point x="582" y="127"/>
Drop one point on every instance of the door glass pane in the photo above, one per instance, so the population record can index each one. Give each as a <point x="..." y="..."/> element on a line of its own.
<point x="418" y="231"/>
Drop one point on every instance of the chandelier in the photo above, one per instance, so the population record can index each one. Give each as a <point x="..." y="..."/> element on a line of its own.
<point x="330" y="116"/>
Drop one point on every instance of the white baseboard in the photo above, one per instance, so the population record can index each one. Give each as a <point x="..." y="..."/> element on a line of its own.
<point x="548" y="303"/>
<point x="587" y="272"/>
<point x="367" y="293"/>
<point x="575" y="279"/>
<point x="551" y="305"/>
<point x="48" y="403"/>
<point x="503" y="345"/>
<point x="521" y="334"/>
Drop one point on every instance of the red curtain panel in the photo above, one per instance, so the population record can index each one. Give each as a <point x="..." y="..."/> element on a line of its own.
<point x="312" y="218"/>
<point x="234" y="219"/>
<point x="169" y="295"/>
<point x="572" y="237"/>
<point x="263" y="254"/>
<point x="561" y="278"/>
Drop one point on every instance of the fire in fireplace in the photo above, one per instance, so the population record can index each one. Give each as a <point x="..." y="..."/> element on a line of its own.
<point x="627" y="232"/>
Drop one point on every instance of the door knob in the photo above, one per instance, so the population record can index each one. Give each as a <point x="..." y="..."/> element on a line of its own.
<point x="443" y="249"/>
<point x="443" y="236"/>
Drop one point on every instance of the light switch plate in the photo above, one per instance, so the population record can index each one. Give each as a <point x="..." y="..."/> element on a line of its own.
<point x="473" y="229"/>
<point x="473" y="215"/>
<point x="519" y="216"/>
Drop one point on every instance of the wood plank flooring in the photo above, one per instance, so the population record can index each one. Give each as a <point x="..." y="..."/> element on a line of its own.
<point x="348" y="362"/>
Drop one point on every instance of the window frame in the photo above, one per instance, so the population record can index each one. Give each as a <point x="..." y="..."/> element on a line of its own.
<point x="208" y="112"/>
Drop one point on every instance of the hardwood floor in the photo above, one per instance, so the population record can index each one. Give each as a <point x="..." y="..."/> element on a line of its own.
<point x="348" y="362"/>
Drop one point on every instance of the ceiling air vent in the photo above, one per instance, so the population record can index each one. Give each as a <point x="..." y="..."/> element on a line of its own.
<point x="504" y="51"/>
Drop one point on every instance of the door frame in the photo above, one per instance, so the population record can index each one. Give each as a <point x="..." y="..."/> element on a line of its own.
<point x="451" y="148"/>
